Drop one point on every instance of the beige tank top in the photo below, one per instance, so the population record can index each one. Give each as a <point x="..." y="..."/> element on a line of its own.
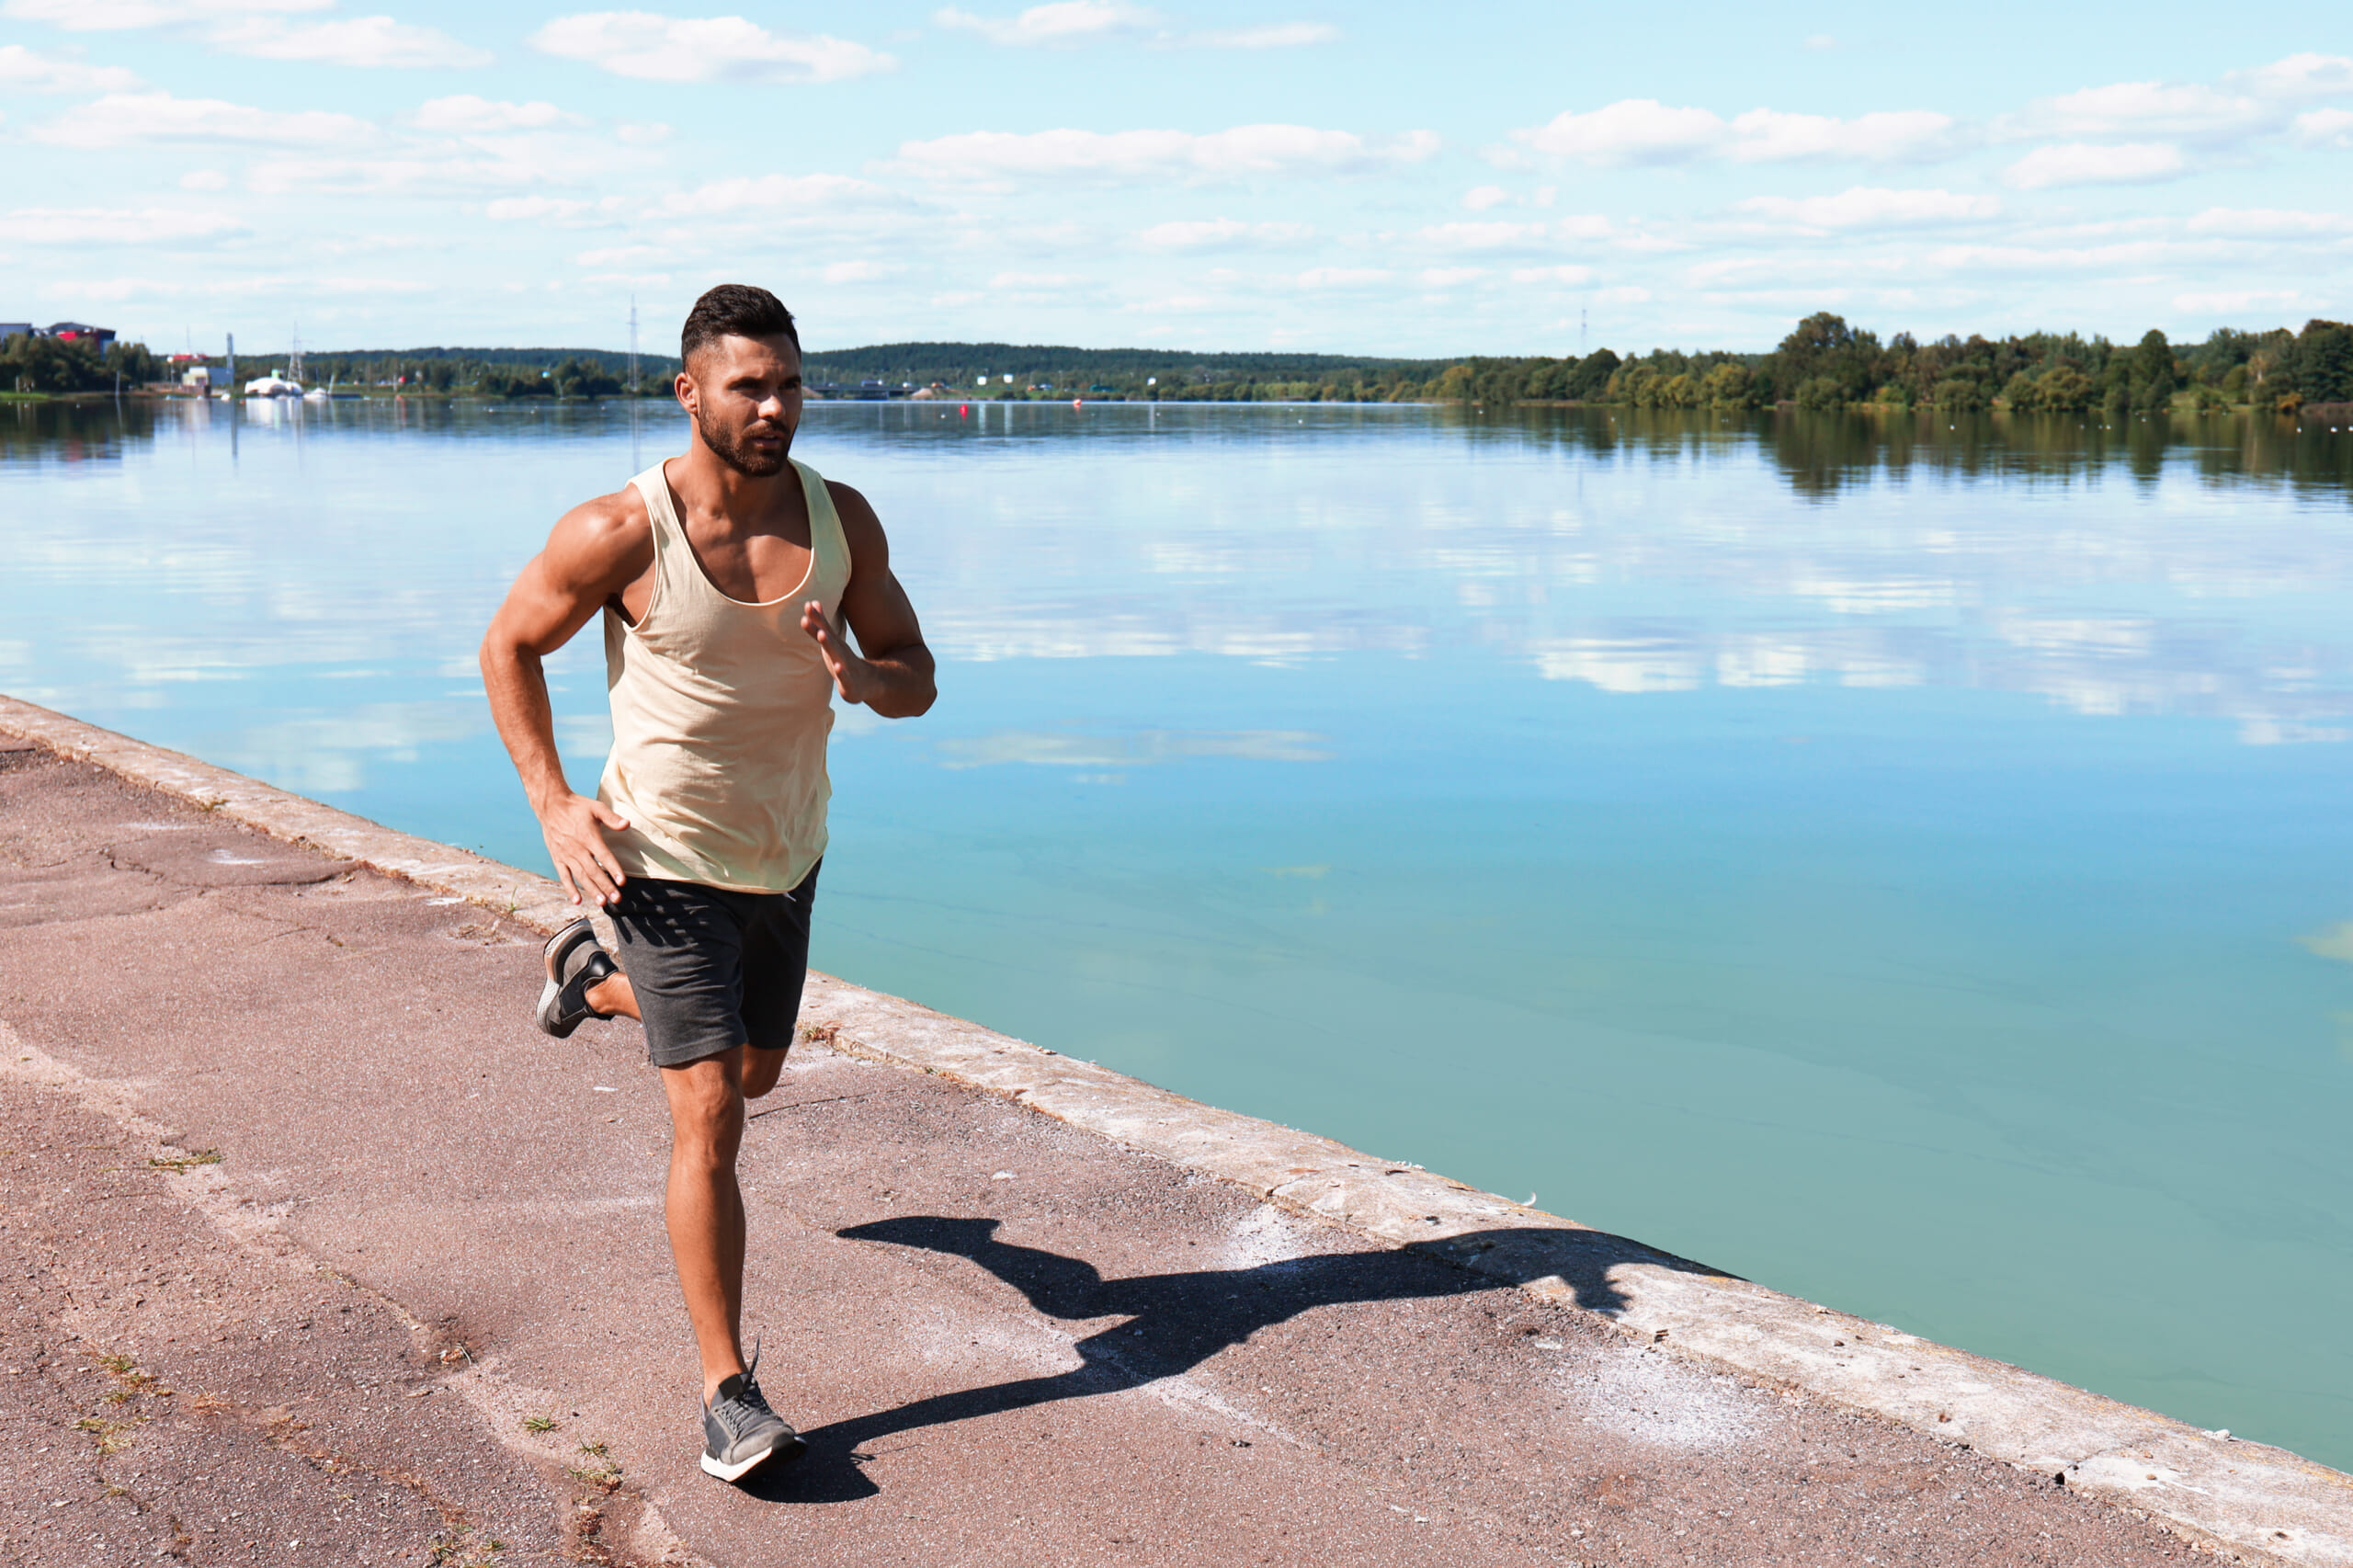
<point x="721" y="712"/>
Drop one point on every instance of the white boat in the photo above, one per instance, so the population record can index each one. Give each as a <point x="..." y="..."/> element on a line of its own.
<point x="273" y="386"/>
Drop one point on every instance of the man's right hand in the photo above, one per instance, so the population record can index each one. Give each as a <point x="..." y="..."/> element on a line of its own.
<point x="574" y="826"/>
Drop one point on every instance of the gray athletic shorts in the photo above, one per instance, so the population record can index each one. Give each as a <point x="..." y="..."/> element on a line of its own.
<point x="712" y="968"/>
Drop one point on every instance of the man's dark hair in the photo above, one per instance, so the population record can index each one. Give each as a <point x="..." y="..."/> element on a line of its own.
<point x="736" y="309"/>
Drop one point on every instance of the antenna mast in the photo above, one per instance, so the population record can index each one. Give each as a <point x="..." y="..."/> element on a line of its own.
<point x="632" y="345"/>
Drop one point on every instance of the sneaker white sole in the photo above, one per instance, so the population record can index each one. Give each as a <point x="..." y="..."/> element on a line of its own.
<point x="737" y="1472"/>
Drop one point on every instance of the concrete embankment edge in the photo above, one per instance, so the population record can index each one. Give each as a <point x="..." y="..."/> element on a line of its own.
<point x="2246" y="1497"/>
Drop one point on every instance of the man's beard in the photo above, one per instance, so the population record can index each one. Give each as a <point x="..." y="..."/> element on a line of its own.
<point x="727" y="449"/>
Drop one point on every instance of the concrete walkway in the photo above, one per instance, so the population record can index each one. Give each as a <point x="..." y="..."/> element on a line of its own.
<point x="319" y="1253"/>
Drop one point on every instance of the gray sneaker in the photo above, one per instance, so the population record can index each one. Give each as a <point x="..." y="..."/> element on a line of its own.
<point x="575" y="963"/>
<point x="739" y="1431"/>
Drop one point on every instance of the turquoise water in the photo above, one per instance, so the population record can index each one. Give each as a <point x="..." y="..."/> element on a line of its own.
<point x="1907" y="864"/>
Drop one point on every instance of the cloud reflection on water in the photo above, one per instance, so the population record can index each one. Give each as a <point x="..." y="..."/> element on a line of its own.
<point x="1130" y="749"/>
<point x="2182" y="569"/>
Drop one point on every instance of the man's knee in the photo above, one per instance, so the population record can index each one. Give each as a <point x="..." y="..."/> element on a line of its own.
<point x="761" y="1071"/>
<point x="706" y="1101"/>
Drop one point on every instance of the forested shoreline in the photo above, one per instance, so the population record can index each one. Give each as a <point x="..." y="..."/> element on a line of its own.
<point x="1825" y="363"/>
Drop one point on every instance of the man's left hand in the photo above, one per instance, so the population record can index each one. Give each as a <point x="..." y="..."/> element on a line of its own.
<point x="856" y="678"/>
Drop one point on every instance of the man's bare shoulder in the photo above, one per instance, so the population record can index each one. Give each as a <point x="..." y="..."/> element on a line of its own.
<point x="600" y="538"/>
<point x="860" y="524"/>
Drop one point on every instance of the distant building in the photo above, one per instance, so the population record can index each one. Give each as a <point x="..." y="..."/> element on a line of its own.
<point x="9" y="329"/>
<point x="97" y="337"/>
<point x="197" y="376"/>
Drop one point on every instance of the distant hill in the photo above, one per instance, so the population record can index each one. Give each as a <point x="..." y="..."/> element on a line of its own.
<point x="613" y="361"/>
<point x="960" y="364"/>
<point x="1055" y="370"/>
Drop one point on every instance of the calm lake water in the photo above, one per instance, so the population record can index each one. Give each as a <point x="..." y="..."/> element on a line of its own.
<point x="1908" y="864"/>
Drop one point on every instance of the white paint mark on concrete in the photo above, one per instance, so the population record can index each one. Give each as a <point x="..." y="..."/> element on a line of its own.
<point x="1264" y="1235"/>
<point x="1659" y="1401"/>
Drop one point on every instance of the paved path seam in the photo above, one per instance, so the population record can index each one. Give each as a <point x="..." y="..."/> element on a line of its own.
<point x="2210" y="1488"/>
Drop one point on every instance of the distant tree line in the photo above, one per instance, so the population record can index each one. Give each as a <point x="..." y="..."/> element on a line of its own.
<point x="486" y="372"/>
<point x="1071" y="371"/>
<point x="1826" y="363"/>
<point x="53" y="365"/>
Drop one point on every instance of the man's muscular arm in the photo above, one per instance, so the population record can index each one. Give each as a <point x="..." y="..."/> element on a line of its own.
<point x="891" y="670"/>
<point x="597" y="548"/>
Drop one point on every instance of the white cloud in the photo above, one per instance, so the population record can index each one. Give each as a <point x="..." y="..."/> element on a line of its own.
<point x="1064" y="21"/>
<point x="114" y="16"/>
<point x="1341" y="277"/>
<point x="1277" y="35"/>
<point x="618" y="255"/>
<point x="1867" y="207"/>
<point x="1631" y="131"/>
<point x="2089" y="163"/>
<point x="1643" y="130"/>
<point x="121" y="120"/>
<point x="114" y="225"/>
<point x="1478" y="198"/>
<point x="2268" y="222"/>
<point x="2234" y="302"/>
<point x="116" y="291"/>
<point x="794" y="193"/>
<point x="2251" y="102"/>
<point x="260" y="28"/>
<point x="649" y="47"/>
<point x="1198" y="233"/>
<point x="21" y="68"/>
<point x="1450" y="276"/>
<point x="204" y="180"/>
<point x="349" y="176"/>
<point x="1244" y="150"/>
<point x="2128" y="108"/>
<point x="2326" y="128"/>
<point x="859" y="271"/>
<point x="1480" y="236"/>
<point x="1572" y="276"/>
<point x="368" y="41"/>
<point x="1966" y="260"/>
<point x="1056" y="280"/>
<point x="535" y="209"/>
<point x="1897" y="136"/>
<point x="1077" y="21"/>
<point x="2299" y="77"/>
<point x="465" y="112"/>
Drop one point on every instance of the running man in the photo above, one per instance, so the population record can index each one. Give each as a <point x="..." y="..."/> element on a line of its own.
<point x="727" y="577"/>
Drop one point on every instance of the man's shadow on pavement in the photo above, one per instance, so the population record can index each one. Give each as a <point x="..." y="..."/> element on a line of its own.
<point x="1175" y="1322"/>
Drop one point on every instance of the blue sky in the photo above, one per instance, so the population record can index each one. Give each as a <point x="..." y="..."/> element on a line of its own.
<point x="1372" y="178"/>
